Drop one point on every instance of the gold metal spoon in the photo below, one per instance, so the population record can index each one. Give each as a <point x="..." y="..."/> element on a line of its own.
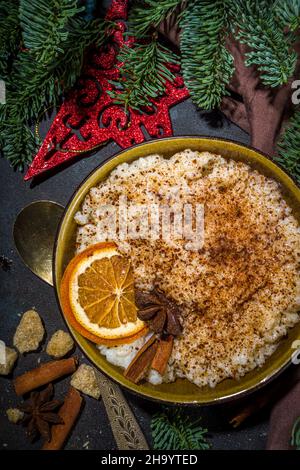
<point x="34" y="235"/>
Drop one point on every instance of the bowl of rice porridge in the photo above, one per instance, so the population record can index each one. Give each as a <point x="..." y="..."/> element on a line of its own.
<point x="176" y="267"/>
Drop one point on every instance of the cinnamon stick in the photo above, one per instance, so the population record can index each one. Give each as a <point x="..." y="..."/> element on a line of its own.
<point x="141" y="363"/>
<point x="162" y="355"/>
<point x="264" y="398"/>
<point x="251" y="408"/>
<point x="68" y="413"/>
<point x="44" y="374"/>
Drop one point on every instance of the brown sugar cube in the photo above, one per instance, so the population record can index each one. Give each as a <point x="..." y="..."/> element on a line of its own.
<point x="60" y="344"/>
<point x="29" y="332"/>
<point x="85" y="380"/>
<point x="8" y="358"/>
<point x="14" y="415"/>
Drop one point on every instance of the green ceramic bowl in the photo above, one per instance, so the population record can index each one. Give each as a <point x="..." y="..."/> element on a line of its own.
<point x="181" y="391"/>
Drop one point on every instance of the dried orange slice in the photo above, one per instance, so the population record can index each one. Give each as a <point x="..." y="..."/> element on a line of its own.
<point x="97" y="296"/>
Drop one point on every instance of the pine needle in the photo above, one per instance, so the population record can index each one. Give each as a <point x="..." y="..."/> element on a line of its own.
<point x="173" y="430"/>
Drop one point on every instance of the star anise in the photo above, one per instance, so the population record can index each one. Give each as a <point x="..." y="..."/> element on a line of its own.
<point x="161" y="312"/>
<point x="40" y="413"/>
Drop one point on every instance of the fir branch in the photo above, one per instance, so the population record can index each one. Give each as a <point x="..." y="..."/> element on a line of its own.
<point x="288" y="12"/>
<point x="143" y="74"/>
<point x="271" y="50"/>
<point x="295" y="441"/>
<point x="149" y="14"/>
<point x="10" y="35"/>
<point x="81" y="34"/>
<point x="46" y="42"/>
<point x="47" y="67"/>
<point x="288" y="148"/>
<point x="207" y="65"/>
<point x="19" y="143"/>
<point x="172" y="430"/>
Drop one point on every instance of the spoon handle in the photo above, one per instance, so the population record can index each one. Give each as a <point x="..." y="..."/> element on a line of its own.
<point x="125" y="428"/>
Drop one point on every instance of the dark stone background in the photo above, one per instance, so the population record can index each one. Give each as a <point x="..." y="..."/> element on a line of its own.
<point x="21" y="290"/>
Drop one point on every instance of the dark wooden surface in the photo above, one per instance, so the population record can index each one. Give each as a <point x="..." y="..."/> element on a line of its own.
<point x="21" y="290"/>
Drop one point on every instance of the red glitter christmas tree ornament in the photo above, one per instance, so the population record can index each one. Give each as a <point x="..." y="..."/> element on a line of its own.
<point x="88" y="118"/>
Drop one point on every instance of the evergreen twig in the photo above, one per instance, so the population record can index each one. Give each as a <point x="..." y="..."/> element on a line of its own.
<point x="54" y="38"/>
<point x="173" y="430"/>
<point x="270" y="48"/>
<point x="149" y="14"/>
<point x="10" y="34"/>
<point x="288" y="12"/>
<point x="207" y="65"/>
<point x="46" y="43"/>
<point x="289" y="147"/>
<point x="143" y="73"/>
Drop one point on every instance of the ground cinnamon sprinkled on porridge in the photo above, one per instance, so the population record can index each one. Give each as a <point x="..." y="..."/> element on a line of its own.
<point x="240" y="292"/>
